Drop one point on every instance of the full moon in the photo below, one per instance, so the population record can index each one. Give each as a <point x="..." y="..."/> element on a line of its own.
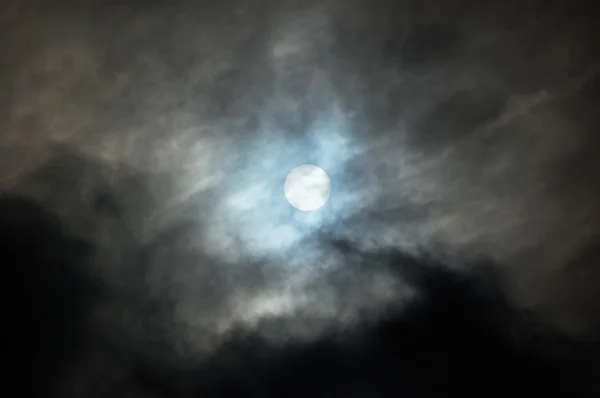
<point x="307" y="187"/>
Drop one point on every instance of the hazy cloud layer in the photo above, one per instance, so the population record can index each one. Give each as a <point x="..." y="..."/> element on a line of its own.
<point x="162" y="134"/>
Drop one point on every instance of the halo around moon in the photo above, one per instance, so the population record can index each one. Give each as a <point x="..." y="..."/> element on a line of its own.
<point x="307" y="187"/>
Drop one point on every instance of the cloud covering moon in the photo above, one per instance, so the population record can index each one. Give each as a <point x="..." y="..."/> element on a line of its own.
<point x="307" y="187"/>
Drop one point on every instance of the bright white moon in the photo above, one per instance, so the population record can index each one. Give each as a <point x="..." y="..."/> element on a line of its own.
<point x="307" y="187"/>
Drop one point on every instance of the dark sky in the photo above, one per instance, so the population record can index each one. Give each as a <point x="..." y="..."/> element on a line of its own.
<point x="143" y="150"/>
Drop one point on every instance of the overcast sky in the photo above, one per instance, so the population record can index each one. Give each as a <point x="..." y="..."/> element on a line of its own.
<point x="162" y="132"/>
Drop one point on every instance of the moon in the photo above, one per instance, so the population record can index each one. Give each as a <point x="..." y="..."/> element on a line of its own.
<point x="307" y="187"/>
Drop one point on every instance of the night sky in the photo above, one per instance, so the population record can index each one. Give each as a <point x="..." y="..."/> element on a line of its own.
<point x="149" y="251"/>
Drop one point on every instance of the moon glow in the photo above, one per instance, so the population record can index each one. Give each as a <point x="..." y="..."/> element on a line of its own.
<point x="307" y="187"/>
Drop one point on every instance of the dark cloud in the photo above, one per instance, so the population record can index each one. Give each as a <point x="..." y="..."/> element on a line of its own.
<point x="46" y="293"/>
<point x="462" y="113"/>
<point x="148" y="249"/>
<point x="425" y="45"/>
<point x="457" y="338"/>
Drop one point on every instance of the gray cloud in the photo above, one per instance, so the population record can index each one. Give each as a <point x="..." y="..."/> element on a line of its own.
<point x="163" y="134"/>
